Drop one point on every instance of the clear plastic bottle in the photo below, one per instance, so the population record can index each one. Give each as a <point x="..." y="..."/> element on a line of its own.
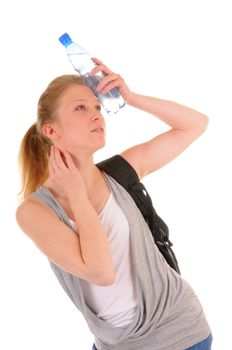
<point x="81" y="61"/>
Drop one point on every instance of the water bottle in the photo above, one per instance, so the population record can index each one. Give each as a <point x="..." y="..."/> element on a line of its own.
<point x="112" y="101"/>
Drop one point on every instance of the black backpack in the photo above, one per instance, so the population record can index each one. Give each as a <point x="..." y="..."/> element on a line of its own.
<point x="119" y="169"/>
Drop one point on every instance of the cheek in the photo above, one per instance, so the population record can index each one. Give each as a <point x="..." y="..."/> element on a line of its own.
<point x="75" y="130"/>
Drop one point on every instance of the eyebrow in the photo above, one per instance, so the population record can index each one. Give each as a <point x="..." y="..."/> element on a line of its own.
<point x="83" y="99"/>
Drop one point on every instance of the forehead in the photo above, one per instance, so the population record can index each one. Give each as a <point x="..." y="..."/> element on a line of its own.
<point x="75" y="93"/>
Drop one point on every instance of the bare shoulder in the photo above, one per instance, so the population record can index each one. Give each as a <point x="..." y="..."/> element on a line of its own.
<point x="31" y="207"/>
<point x="33" y="217"/>
<point x="57" y="241"/>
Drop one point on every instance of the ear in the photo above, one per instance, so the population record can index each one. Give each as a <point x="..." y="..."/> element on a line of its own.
<point x="51" y="131"/>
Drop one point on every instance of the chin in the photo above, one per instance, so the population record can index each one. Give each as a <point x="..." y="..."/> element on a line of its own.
<point x="99" y="147"/>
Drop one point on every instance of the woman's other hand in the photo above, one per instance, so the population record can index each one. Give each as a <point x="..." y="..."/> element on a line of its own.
<point x="64" y="173"/>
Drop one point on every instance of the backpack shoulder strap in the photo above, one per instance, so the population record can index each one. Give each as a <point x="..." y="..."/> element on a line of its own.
<point x="121" y="170"/>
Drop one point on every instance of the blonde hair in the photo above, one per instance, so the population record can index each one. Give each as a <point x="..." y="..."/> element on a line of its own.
<point x="35" y="146"/>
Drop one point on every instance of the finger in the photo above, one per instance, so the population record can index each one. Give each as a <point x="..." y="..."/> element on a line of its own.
<point x="105" y="83"/>
<point x="54" y="164"/>
<point x="60" y="161"/>
<point x="50" y="167"/>
<point x="53" y="159"/>
<point x="101" y="68"/>
<point x="96" y="60"/>
<point x="64" y="159"/>
<point x="109" y="87"/>
<point x="69" y="161"/>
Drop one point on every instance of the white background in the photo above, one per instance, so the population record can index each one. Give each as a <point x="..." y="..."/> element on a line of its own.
<point x="177" y="50"/>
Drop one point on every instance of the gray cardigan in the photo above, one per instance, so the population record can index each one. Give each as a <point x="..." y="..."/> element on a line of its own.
<point x="168" y="316"/>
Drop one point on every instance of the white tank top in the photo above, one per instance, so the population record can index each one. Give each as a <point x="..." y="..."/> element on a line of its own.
<point x="115" y="304"/>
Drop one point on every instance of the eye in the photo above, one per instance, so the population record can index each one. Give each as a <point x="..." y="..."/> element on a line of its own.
<point x="79" y="107"/>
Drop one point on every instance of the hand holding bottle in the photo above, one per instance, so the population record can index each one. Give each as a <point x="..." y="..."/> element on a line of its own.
<point x="82" y="62"/>
<point x="111" y="80"/>
<point x="64" y="173"/>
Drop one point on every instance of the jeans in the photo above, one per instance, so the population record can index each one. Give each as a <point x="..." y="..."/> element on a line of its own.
<point x="203" y="345"/>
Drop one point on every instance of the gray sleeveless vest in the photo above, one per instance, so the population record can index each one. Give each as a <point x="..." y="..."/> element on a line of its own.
<point x="168" y="316"/>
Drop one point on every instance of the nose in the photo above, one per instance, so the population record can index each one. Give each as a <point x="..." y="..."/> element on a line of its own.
<point x="97" y="115"/>
<point x="98" y="119"/>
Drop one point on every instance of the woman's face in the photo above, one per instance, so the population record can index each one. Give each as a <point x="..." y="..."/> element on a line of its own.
<point x="79" y="112"/>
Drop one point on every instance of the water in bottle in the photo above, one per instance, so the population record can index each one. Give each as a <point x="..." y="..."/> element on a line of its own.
<point x="81" y="61"/>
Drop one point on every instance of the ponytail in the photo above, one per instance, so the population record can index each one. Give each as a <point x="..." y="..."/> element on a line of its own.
<point x="33" y="161"/>
<point x="35" y="146"/>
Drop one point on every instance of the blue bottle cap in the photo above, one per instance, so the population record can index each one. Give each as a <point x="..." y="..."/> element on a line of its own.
<point x="65" y="39"/>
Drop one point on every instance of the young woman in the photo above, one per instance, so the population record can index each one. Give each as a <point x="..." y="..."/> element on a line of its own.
<point x="89" y="228"/>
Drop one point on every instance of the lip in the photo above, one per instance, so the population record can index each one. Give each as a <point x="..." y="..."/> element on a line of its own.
<point x="99" y="127"/>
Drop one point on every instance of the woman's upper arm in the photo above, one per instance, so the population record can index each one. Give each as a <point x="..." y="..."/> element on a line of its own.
<point x="54" y="238"/>
<point x="157" y="152"/>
